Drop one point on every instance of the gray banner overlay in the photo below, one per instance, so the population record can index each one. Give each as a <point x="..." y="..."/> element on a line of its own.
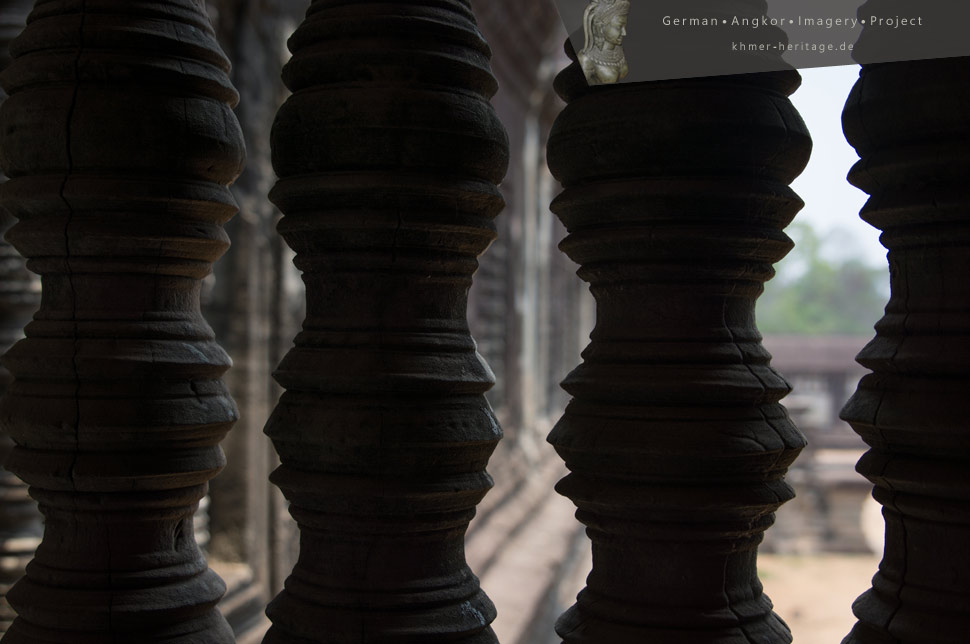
<point x="669" y="39"/>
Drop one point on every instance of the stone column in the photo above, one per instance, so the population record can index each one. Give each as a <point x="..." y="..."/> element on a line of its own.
<point x="119" y="140"/>
<point x="675" y="197"/>
<point x="20" y="522"/>
<point x="388" y="153"/>
<point x="910" y="124"/>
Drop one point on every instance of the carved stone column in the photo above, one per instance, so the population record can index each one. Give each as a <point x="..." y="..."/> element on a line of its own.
<point x="119" y="140"/>
<point x="910" y="124"/>
<point x="388" y="154"/>
<point x="675" y="197"/>
<point x="20" y="522"/>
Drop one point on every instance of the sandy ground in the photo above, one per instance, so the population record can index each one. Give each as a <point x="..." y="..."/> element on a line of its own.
<point x="814" y="593"/>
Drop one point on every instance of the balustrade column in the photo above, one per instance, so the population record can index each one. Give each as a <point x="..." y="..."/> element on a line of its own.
<point x="910" y="124"/>
<point x="675" y="194"/>
<point x="119" y="141"/>
<point x="20" y="522"/>
<point x="388" y="153"/>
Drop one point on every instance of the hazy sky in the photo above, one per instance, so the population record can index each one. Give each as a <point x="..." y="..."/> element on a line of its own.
<point x="831" y="204"/>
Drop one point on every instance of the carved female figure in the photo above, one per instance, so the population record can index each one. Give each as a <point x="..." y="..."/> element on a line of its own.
<point x="604" y="26"/>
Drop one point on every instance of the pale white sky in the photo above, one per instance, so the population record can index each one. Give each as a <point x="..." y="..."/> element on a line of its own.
<point x="831" y="204"/>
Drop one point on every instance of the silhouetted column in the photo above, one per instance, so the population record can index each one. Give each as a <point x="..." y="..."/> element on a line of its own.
<point x="20" y="522"/>
<point x="119" y="141"/>
<point x="388" y="154"/>
<point x="910" y="124"/>
<point x="675" y="196"/>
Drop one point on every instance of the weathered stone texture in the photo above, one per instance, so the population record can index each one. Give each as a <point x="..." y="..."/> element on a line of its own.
<point x="388" y="153"/>
<point x="119" y="141"/>
<point x="675" y="197"/>
<point x="910" y="124"/>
